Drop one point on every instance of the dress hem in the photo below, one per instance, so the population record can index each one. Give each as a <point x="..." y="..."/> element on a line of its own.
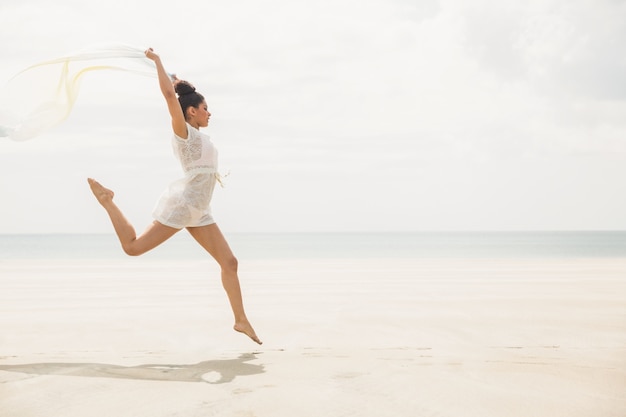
<point x="179" y="227"/>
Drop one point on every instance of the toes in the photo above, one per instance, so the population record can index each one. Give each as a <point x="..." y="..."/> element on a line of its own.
<point x="248" y="331"/>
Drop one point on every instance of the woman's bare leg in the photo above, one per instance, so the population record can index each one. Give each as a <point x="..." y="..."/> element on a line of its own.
<point x="211" y="239"/>
<point x="153" y="236"/>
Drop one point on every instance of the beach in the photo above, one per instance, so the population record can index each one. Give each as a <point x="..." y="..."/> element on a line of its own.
<point x="342" y="337"/>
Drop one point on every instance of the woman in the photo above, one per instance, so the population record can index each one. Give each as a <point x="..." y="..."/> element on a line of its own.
<point x="186" y="203"/>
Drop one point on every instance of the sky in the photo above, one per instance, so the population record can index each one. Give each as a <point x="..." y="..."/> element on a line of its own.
<point x="342" y="115"/>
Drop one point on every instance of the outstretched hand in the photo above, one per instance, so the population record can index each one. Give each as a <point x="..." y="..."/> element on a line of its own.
<point x="150" y="54"/>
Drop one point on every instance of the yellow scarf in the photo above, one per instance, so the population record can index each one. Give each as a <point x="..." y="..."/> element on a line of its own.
<point x="42" y="96"/>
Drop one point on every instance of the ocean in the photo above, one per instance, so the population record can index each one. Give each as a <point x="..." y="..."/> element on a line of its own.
<point x="259" y="246"/>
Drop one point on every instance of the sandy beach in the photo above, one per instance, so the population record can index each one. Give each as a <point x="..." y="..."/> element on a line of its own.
<point x="380" y="337"/>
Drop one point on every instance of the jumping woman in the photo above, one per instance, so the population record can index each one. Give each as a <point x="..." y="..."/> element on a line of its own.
<point x="186" y="203"/>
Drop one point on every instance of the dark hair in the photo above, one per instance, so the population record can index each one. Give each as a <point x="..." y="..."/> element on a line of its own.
<point x="187" y="95"/>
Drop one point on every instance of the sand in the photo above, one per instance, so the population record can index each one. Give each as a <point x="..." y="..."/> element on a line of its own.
<point x="381" y="337"/>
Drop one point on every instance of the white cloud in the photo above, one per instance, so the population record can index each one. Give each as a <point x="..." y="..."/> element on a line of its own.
<point x="562" y="47"/>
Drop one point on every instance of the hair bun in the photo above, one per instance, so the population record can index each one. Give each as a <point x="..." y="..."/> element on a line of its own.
<point x="184" y="87"/>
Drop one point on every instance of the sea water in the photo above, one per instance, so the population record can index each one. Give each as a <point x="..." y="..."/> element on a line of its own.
<point x="257" y="246"/>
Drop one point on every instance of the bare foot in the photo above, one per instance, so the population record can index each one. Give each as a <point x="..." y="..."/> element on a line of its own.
<point x="246" y="328"/>
<point x="104" y="195"/>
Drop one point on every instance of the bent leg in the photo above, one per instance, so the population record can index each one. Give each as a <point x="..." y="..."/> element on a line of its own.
<point x="211" y="239"/>
<point x="153" y="236"/>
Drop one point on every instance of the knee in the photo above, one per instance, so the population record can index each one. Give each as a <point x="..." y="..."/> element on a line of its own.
<point x="230" y="264"/>
<point x="132" y="250"/>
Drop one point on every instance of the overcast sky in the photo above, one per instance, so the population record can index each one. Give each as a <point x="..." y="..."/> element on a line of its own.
<point x="369" y="115"/>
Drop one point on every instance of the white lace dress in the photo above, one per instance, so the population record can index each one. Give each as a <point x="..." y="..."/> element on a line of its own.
<point x="186" y="202"/>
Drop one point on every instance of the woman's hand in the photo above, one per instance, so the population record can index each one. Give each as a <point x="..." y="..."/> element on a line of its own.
<point x="150" y="54"/>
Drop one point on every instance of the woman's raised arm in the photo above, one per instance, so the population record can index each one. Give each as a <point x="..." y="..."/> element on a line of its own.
<point x="179" y="125"/>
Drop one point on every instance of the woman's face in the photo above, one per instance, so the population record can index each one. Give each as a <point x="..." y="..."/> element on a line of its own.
<point x="200" y="115"/>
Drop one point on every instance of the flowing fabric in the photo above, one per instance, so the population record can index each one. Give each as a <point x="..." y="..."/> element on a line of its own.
<point x="42" y="95"/>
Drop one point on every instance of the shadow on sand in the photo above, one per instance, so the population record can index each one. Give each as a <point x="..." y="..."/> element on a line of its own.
<point x="212" y="372"/>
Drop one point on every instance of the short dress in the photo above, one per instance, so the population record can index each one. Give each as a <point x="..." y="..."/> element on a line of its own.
<point x="186" y="202"/>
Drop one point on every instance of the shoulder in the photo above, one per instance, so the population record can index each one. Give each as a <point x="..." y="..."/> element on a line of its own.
<point x="192" y="133"/>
